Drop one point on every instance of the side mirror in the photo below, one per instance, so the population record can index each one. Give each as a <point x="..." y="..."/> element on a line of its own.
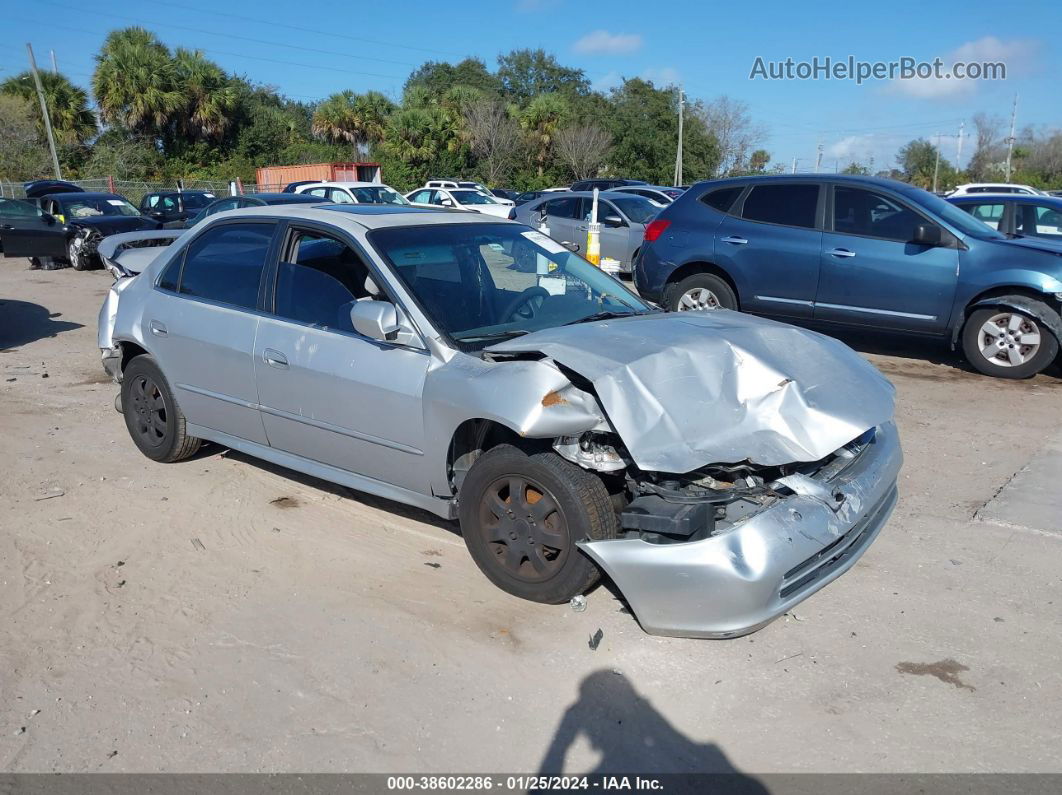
<point x="447" y="203"/>
<point x="612" y="220"/>
<point x="927" y="235"/>
<point x="48" y="218"/>
<point x="573" y="247"/>
<point x="376" y="320"/>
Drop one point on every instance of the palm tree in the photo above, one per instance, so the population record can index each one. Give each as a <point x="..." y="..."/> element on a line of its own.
<point x="134" y="82"/>
<point x="541" y="120"/>
<point x="210" y="97"/>
<point x="359" y="119"/>
<point x="72" y="120"/>
<point x="413" y="135"/>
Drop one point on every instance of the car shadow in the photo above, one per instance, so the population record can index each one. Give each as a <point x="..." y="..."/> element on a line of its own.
<point x="632" y="737"/>
<point x="22" y="322"/>
<point x="343" y="492"/>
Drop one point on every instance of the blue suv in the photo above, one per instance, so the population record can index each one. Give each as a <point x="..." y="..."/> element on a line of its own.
<point x="858" y="252"/>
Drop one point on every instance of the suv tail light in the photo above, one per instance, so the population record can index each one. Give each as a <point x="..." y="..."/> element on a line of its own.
<point x="512" y="214"/>
<point x="655" y="229"/>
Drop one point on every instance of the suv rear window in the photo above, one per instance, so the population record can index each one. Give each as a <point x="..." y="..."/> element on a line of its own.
<point x="788" y="205"/>
<point x="723" y="198"/>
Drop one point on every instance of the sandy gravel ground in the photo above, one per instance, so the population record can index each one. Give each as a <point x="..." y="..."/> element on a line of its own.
<point x="224" y="615"/>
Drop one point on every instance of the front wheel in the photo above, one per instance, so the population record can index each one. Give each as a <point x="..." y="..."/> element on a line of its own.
<point x="155" y="421"/>
<point x="75" y="252"/>
<point x="699" y="292"/>
<point x="521" y="517"/>
<point x="1008" y="343"/>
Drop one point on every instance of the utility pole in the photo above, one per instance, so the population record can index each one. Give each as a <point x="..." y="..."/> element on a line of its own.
<point x="794" y="165"/>
<point x="958" y="150"/>
<point x="44" y="110"/>
<point x="55" y="65"/>
<point x="818" y="160"/>
<point x="1010" y="140"/>
<point x="678" y="152"/>
<point x="936" y="166"/>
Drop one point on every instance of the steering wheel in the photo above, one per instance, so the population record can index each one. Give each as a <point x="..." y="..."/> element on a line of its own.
<point x="525" y="305"/>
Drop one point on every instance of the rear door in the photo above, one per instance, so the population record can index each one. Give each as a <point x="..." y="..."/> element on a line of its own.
<point x="1038" y="220"/>
<point x="201" y="319"/>
<point x="27" y="231"/>
<point x="327" y="393"/>
<point x="996" y="213"/>
<point x="771" y="247"/>
<point x="872" y="275"/>
<point x="561" y="217"/>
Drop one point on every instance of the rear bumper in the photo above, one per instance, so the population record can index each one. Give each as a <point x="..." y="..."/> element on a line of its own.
<point x="735" y="582"/>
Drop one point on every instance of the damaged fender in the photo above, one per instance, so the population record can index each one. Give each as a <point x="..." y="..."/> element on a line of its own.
<point x="1022" y="303"/>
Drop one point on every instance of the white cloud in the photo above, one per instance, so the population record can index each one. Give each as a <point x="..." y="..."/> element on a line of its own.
<point x="601" y="42"/>
<point x="662" y="76"/>
<point x="1016" y="54"/>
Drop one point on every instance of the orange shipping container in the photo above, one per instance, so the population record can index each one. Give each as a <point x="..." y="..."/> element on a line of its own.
<point x="274" y="178"/>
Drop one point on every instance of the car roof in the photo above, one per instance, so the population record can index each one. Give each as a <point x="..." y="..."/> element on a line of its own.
<point x="1016" y="198"/>
<point x="367" y="216"/>
<point x="83" y="195"/>
<point x="342" y="184"/>
<point x="855" y="179"/>
<point x="282" y="198"/>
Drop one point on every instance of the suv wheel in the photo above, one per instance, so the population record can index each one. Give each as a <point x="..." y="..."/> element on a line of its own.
<point x="1008" y="343"/>
<point x="154" y="419"/>
<point x="521" y="516"/>
<point x="699" y="292"/>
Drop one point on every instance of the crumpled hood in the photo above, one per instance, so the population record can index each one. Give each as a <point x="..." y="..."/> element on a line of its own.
<point x="114" y="224"/>
<point x="688" y="389"/>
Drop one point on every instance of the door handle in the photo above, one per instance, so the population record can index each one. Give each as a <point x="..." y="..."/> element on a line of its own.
<point x="842" y="252"/>
<point x="737" y="241"/>
<point x="7" y="226"/>
<point x="275" y="359"/>
<point x="157" y="328"/>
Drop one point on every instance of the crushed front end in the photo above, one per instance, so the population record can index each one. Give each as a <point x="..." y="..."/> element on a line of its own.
<point x="721" y="551"/>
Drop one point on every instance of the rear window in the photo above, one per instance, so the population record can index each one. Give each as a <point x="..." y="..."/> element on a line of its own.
<point x="225" y="264"/>
<point x="722" y="199"/>
<point x="787" y="205"/>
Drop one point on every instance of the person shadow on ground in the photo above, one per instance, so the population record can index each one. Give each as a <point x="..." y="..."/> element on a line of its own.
<point x="633" y="738"/>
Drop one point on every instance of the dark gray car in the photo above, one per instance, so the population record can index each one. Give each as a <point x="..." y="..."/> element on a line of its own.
<point x="566" y="217"/>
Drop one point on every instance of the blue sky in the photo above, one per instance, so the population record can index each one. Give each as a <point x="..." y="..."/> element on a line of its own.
<point x="309" y="50"/>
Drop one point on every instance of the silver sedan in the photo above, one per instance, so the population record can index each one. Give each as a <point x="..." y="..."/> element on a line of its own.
<point x="719" y="467"/>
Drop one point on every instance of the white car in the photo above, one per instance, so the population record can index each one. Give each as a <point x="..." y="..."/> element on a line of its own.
<point x="995" y="187"/>
<point x="459" y="183"/>
<point x="460" y="198"/>
<point x="353" y="192"/>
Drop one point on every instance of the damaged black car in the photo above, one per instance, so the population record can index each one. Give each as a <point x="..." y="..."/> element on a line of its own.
<point x="67" y="228"/>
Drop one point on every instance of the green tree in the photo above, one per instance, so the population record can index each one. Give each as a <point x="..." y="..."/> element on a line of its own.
<point x="526" y="74"/>
<point x="358" y="119"/>
<point x="134" y="82"/>
<point x="541" y="120"/>
<point x="210" y="99"/>
<point x="23" y="154"/>
<point x="68" y="108"/>
<point x="918" y="161"/>
<point x="857" y="169"/>
<point x="758" y="161"/>
<point x="438" y="77"/>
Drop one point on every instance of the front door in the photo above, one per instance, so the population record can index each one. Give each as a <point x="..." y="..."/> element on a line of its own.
<point x="26" y="231"/>
<point x="327" y="393"/>
<point x="772" y="250"/>
<point x="201" y="320"/>
<point x="872" y="276"/>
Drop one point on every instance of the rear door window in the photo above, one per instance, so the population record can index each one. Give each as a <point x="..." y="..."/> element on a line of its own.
<point x="1039" y="221"/>
<point x="563" y="208"/>
<point x="786" y="205"/>
<point x="723" y="198"/>
<point x="991" y="214"/>
<point x="225" y="264"/>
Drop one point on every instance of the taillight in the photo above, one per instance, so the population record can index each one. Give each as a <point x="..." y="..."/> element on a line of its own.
<point x="655" y="229"/>
<point x="512" y="214"/>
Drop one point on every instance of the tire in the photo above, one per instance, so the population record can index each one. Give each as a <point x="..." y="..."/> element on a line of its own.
<point x="531" y="552"/>
<point x="152" y="416"/>
<point x="78" y="261"/>
<point x="1008" y="343"/>
<point x="699" y="292"/>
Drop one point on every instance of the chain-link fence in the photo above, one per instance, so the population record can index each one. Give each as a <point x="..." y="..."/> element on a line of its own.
<point x="135" y="190"/>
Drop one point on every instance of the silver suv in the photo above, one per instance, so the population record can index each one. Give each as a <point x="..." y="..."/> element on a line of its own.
<point x="718" y="467"/>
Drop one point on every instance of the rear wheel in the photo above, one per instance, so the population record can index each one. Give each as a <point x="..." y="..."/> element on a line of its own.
<point x="152" y="416"/>
<point x="699" y="292"/>
<point x="521" y="517"/>
<point x="1008" y="343"/>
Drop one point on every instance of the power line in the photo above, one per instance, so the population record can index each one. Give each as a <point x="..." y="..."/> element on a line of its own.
<point x="201" y="31"/>
<point x="317" y="31"/>
<point x="233" y="54"/>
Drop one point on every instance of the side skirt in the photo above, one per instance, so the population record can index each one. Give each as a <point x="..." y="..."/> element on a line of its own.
<point x="446" y="509"/>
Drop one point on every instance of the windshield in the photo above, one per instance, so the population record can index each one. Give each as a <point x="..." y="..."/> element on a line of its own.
<point x="380" y="195"/>
<point x="481" y="283"/>
<point x="90" y="207"/>
<point x="472" y="197"/>
<point x="638" y="209"/>
<point x="958" y="218"/>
